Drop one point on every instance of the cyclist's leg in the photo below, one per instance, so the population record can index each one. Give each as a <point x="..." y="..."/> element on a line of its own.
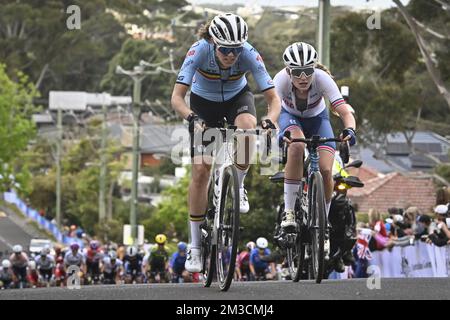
<point x="294" y="166"/>
<point x="201" y="160"/>
<point x="242" y="113"/>
<point x="326" y="161"/>
<point x="198" y="200"/>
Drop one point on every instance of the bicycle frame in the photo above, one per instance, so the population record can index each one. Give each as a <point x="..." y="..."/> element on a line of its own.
<point x="221" y="244"/>
<point x="218" y="167"/>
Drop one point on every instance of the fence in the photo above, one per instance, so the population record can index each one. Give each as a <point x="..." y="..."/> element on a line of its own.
<point x="12" y="198"/>
<point x="419" y="260"/>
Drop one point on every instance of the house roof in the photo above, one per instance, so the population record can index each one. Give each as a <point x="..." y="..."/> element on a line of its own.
<point x="395" y="190"/>
<point x="424" y="141"/>
<point x="395" y="154"/>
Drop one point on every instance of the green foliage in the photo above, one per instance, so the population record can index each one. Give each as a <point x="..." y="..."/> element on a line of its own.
<point x="172" y="215"/>
<point x="444" y="171"/>
<point x="16" y="128"/>
<point x="264" y="198"/>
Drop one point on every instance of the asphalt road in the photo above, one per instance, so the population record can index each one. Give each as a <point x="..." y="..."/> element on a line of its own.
<point x="356" y="289"/>
<point x="11" y="234"/>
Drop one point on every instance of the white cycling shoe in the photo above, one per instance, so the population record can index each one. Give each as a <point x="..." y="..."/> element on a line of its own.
<point x="244" y="206"/>
<point x="288" y="223"/>
<point x="193" y="260"/>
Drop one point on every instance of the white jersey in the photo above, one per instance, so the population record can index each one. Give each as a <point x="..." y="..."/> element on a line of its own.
<point x="45" y="264"/>
<point x="70" y="259"/>
<point x="109" y="267"/>
<point x="322" y="86"/>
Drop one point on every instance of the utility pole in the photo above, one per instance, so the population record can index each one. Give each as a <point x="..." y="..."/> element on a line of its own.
<point x="58" y="168"/>
<point x="102" y="191"/>
<point x="323" y="37"/>
<point x="137" y="75"/>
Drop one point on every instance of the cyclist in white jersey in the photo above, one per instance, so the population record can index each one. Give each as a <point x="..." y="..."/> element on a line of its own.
<point x="112" y="268"/>
<point x="216" y="67"/>
<point x="75" y="258"/>
<point x="45" y="264"/>
<point x="302" y="86"/>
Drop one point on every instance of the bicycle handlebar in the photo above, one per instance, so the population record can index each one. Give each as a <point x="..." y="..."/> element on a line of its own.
<point x="315" y="141"/>
<point x="236" y="130"/>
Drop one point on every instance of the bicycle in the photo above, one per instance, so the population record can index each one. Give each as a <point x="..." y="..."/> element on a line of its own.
<point x="305" y="247"/>
<point x="220" y="231"/>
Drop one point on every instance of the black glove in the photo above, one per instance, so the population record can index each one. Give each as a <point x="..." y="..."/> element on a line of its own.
<point x="349" y="132"/>
<point x="268" y="124"/>
<point x="193" y="119"/>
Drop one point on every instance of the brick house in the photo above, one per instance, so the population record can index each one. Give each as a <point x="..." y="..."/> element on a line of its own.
<point x="394" y="190"/>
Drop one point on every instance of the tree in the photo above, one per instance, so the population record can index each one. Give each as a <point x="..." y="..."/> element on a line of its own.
<point x="426" y="52"/>
<point x="34" y="38"/>
<point x="16" y="127"/>
<point x="172" y="215"/>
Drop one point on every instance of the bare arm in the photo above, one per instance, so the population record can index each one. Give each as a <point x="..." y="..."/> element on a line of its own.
<point x="345" y="113"/>
<point x="274" y="105"/>
<point x="178" y="103"/>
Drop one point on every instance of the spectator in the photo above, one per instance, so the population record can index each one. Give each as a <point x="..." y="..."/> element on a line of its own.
<point x="361" y="251"/>
<point x="440" y="235"/>
<point x="410" y="217"/>
<point x="380" y="239"/>
<point x="423" y="225"/>
<point x="443" y="196"/>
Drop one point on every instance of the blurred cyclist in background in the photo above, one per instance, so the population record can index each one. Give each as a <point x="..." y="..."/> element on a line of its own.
<point x="243" y="263"/>
<point x="176" y="265"/>
<point x="158" y="263"/>
<point x="19" y="262"/>
<point x="260" y="269"/>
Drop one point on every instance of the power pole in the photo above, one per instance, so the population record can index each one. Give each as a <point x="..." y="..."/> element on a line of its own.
<point x="137" y="75"/>
<point x="323" y="37"/>
<point x="58" y="168"/>
<point x="102" y="191"/>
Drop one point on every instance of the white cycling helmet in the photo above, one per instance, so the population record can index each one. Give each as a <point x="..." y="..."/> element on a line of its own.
<point x="113" y="255"/>
<point x="6" y="264"/>
<point x="300" y="54"/>
<point x="441" y="209"/>
<point x="228" y="29"/>
<point x="131" y="251"/>
<point x="32" y="265"/>
<point x="250" y="245"/>
<point x="17" y="248"/>
<point x="45" y="251"/>
<point x="262" y="243"/>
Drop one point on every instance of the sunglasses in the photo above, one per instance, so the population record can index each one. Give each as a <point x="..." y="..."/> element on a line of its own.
<point x="297" y="72"/>
<point x="227" y="50"/>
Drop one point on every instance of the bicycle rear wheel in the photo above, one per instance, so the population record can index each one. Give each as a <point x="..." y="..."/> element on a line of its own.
<point x="228" y="231"/>
<point x="317" y="215"/>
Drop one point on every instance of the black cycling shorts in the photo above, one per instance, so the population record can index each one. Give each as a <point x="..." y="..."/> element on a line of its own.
<point x="213" y="113"/>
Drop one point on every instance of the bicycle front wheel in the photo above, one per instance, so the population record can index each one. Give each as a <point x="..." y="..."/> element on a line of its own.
<point x="208" y="247"/>
<point x="228" y="231"/>
<point x="317" y="215"/>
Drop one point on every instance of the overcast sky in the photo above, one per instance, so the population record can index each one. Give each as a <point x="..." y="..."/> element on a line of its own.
<point x="371" y="4"/>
